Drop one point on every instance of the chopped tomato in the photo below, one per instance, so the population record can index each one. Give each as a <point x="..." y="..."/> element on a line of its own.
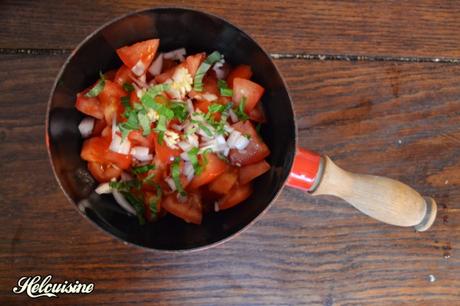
<point x="161" y="78"/>
<point x="258" y="114"/>
<point x="165" y="154"/>
<point x="137" y="139"/>
<point x="241" y="71"/>
<point x="256" y="150"/>
<point x="250" y="172"/>
<point x="248" y="89"/>
<point x="167" y="64"/>
<point x="96" y="149"/>
<point x="143" y="52"/>
<point x="122" y="76"/>
<point x="193" y="62"/>
<point x="133" y="98"/>
<point x="190" y="210"/>
<point x="99" y="126"/>
<point x="236" y="195"/>
<point x="213" y="166"/>
<point x="111" y="101"/>
<point x="103" y="172"/>
<point x="89" y="106"/>
<point x="224" y="182"/>
<point x="107" y="131"/>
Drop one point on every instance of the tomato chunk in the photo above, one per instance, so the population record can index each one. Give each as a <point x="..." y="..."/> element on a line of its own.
<point x="224" y="182"/>
<point x="190" y="210"/>
<point x="143" y="52"/>
<point x="236" y="195"/>
<point x="211" y="169"/>
<point x="250" y="172"/>
<point x="257" y="114"/>
<point x="193" y="62"/>
<point x="241" y="71"/>
<point x="164" y="153"/>
<point x="96" y="149"/>
<point x="123" y="76"/>
<point x="103" y="173"/>
<point x="99" y="126"/>
<point x="110" y="98"/>
<point x="89" y="106"/>
<point x="256" y="150"/>
<point x="137" y="139"/>
<point x="248" y="89"/>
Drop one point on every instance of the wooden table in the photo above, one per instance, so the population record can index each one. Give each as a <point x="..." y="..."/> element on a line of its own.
<point x="375" y="86"/>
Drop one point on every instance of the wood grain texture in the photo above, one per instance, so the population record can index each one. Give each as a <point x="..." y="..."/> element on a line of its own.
<point x="386" y="28"/>
<point x="401" y="120"/>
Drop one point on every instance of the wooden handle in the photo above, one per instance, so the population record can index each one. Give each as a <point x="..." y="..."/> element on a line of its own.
<point x="381" y="198"/>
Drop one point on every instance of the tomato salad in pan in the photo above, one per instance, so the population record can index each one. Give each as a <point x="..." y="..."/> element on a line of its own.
<point x="171" y="133"/>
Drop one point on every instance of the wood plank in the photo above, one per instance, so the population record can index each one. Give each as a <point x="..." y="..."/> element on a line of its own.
<point x="397" y="28"/>
<point x="304" y="250"/>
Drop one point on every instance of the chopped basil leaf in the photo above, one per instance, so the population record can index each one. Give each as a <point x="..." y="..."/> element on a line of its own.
<point x="125" y="186"/>
<point x="144" y="122"/>
<point x="137" y="204"/>
<point x="97" y="89"/>
<point x="225" y="91"/>
<point x="148" y="179"/>
<point x="161" y="124"/>
<point x="125" y="102"/>
<point x="240" y="110"/>
<point x="153" y="205"/>
<point x="216" y="108"/>
<point x="203" y="68"/>
<point x="157" y="89"/>
<point x="204" y="157"/>
<point x="193" y="156"/>
<point x="205" y="129"/>
<point x="175" y="173"/>
<point x="142" y="169"/>
<point x="128" y="87"/>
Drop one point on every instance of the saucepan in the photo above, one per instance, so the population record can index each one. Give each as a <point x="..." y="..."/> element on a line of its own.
<point x="381" y="198"/>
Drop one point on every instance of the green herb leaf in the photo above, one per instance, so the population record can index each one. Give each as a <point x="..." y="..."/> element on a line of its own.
<point x="125" y="102"/>
<point x="203" y="68"/>
<point x="225" y="91"/>
<point x="193" y="156"/>
<point x="144" y="122"/>
<point x="180" y="111"/>
<point x="175" y="173"/>
<point x="98" y="88"/>
<point x="157" y="89"/>
<point x="137" y="204"/>
<point x="142" y="169"/>
<point x="240" y="110"/>
<point x="128" y="87"/>
<point x="125" y="186"/>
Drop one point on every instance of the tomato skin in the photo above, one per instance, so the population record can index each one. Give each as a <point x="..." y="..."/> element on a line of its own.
<point x="190" y="210"/>
<point x="143" y="51"/>
<point x="164" y="153"/>
<point x="212" y="169"/>
<point x="224" y="182"/>
<point x="235" y="196"/>
<point x="255" y="152"/>
<point x="246" y="88"/>
<point x="137" y="139"/>
<point x="89" y="106"/>
<point x="250" y="172"/>
<point x="193" y="62"/>
<point x="123" y="76"/>
<point x="96" y="149"/>
<point x="99" y="126"/>
<point x="103" y="173"/>
<point x="241" y="71"/>
<point x="110" y="98"/>
<point x="257" y="114"/>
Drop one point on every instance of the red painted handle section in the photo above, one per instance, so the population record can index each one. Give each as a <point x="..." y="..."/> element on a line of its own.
<point x="304" y="169"/>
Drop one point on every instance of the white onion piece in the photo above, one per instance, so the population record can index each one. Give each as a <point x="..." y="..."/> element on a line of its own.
<point x="216" y="206"/>
<point x="140" y="82"/>
<point x="103" y="188"/>
<point x="226" y="151"/>
<point x="220" y="72"/>
<point x="190" y="107"/>
<point x="233" y="116"/>
<point x="189" y="171"/>
<point x="233" y="138"/>
<point x="185" y="146"/>
<point x="141" y="153"/>
<point x="170" y="183"/>
<point x="157" y="65"/>
<point x="228" y="128"/>
<point x="193" y="140"/>
<point x="184" y="156"/>
<point x="86" y="126"/>
<point x="221" y="140"/>
<point x="123" y="202"/>
<point x="209" y="96"/>
<point x="241" y="143"/>
<point x="119" y="145"/>
<point x="143" y="79"/>
<point x="139" y="68"/>
<point x="178" y="54"/>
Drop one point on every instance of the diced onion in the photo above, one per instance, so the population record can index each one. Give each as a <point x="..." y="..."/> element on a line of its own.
<point x="184" y="156"/>
<point x="86" y="126"/>
<point x="193" y="140"/>
<point x="190" y="107"/>
<point x="120" y="145"/>
<point x="216" y="206"/>
<point x="185" y="146"/>
<point x="242" y="142"/>
<point x="209" y="96"/>
<point x="233" y="138"/>
<point x="170" y="183"/>
<point x="141" y="153"/>
<point x="220" y="72"/>
<point x="189" y="171"/>
<point x="139" y="68"/>
<point x="178" y="54"/>
<point x="157" y="65"/>
<point x="123" y="202"/>
<point x="233" y="116"/>
<point x="103" y="188"/>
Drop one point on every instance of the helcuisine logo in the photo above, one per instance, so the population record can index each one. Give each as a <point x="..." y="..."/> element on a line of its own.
<point x="37" y="286"/>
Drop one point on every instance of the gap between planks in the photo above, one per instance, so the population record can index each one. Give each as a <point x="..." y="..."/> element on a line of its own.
<point x="281" y="56"/>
